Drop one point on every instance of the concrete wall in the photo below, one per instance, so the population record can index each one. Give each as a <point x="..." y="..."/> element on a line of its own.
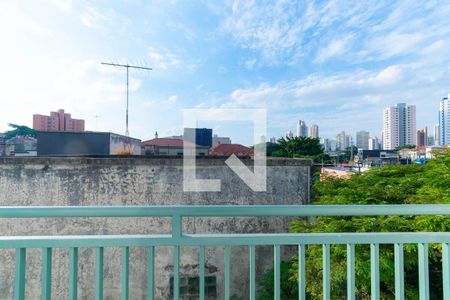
<point x="138" y="181"/>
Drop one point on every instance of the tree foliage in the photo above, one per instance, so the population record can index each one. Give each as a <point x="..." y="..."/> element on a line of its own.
<point x="19" y="130"/>
<point x="300" y="147"/>
<point x="399" y="184"/>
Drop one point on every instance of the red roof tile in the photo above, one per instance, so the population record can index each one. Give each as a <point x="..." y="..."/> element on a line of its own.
<point x="228" y="149"/>
<point x="167" y="142"/>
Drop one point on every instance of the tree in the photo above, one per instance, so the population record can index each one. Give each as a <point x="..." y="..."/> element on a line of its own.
<point x="301" y="147"/>
<point x="405" y="147"/>
<point x="399" y="184"/>
<point x="19" y="130"/>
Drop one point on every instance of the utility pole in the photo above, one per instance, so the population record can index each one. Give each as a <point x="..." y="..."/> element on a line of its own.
<point x="127" y="66"/>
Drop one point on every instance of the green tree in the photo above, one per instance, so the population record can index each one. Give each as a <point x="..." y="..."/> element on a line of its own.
<point x="19" y="130"/>
<point x="301" y="147"/>
<point x="400" y="184"/>
<point x="405" y="147"/>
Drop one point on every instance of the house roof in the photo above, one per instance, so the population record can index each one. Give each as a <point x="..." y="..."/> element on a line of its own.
<point x="168" y="142"/>
<point x="228" y="149"/>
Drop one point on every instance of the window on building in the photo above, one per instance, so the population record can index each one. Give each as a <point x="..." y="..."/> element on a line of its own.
<point x="190" y="286"/>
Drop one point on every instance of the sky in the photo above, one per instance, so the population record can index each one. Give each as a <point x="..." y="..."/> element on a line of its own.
<point x="332" y="63"/>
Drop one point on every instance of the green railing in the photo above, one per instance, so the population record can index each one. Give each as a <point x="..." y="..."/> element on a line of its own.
<point x="178" y="239"/>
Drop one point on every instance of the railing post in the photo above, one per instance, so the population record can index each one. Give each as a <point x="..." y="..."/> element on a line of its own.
<point x="125" y="272"/>
<point x="446" y="270"/>
<point x="73" y="274"/>
<point x="176" y="236"/>
<point x="150" y="273"/>
<point x="375" y="271"/>
<point x="202" y="272"/>
<point x="424" y="287"/>
<point x="301" y="272"/>
<point x="277" y="272"/>
<point x="399" y="272"/>
<point x="252" y="272"/>
<point x="227" y="252"/>
<point x="46" y="276"/>
<point x="326" y="271"/>
<point x="19" y="281"/>
<point x="350" y="272"/>
<point x="99" y="274"/>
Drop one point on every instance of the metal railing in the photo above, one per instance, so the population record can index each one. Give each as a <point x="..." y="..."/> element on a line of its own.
<point x="179" y="239"/>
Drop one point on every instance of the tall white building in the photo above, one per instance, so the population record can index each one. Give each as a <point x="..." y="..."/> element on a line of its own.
<point x="302" y="129"/>
<point x="289" y="134"/>
<point x="374" y="144"/>
<point x="362" y="140"/>
<point x="314" y="131"/>
<point x="436" y="135"/>
<point x="343" y="141"/>
<point x="444" y="121"/>
<point x="399" y="126"/>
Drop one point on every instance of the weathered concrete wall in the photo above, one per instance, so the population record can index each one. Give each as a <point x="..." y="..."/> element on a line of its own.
<point x="137" y="181"/>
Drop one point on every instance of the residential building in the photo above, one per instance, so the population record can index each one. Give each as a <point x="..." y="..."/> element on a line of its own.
<point x="57" y="121"/>
<point x="422" y="137"/>
<point x="172" y="147"/>
<point x="314" y="131"/>
<point x="289" y="134"/>
<point x="436" y="135"/>
<point x="374" y="144"/>
<point x="58" y="143"/>
<point x="302" y="129"/>
<point x="362" y="140"/>
<point x="229" y="149"/>
<point x="273" y="140"/>
<point x="220" y="140"/>
<point x="199" y="136"/>
<point x="399" y="126"/>
<point x="326" y="145"/>
<point x="444" y="121"/>
<point x="343" y="141"/>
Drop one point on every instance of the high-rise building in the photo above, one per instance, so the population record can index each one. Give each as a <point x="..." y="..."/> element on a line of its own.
<point x="57" y="121"/>
<point x="444" y="121"/>
<point x="399" y="126"/>
<point x="314" y="131"/>
<point x="374" y="144"/>
<point x="199" y="136"/>
<point x="289" y="134"/>
<point x="362" y="140"/>
<point x="422" y="137"/>
<point x="326" y="145"/>
<point x="436" y="135"/>
<point x="273" y="140"/>
<point x="302" y="129"/>
<point x="343" y="141"/>
<point x="218" y="140"/>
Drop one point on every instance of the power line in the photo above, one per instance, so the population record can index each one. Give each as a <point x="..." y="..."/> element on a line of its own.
<point x="127" y="66"/>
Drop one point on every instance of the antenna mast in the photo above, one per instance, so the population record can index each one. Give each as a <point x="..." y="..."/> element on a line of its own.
<point x="126" y="66"/>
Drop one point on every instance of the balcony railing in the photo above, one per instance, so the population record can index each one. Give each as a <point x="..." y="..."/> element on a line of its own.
<point x="179" y="239"/>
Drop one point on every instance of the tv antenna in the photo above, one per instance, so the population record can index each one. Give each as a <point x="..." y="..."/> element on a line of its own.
<point x="128" y="67"/>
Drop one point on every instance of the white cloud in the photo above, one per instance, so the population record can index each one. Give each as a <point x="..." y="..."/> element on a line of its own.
<point x="164" y="60"/>
<point x="92" y="18"/>
<point x="333" y="49"/>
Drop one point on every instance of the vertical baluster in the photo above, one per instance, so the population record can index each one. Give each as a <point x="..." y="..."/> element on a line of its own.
<point x="176" y="272"/>
<point x="424" y="292"/>
<point x="202" y="272"/>
<point x="19" y="281"/>
<point x="73" y="274"/>
<point x="150" y="273"/>
<point x="227" y="272"/>
<point x="252" y="272"/>
<point x="46" y="286"/>
<point x="446" y="270"/>
<point x="350" y="271"/>
<point x="301" y="272"/>
<point x="277" y="272"/>
<point x="326" y="271"/>
<point x="125" y="272"/>
<point x="399" y="272"/>
<point x="99" y="273"/>
<point x="375" y="271"/>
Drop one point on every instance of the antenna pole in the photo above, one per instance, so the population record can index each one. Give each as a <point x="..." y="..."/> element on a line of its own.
<point x="127" y="66"/>
<point x="127" y="133"/>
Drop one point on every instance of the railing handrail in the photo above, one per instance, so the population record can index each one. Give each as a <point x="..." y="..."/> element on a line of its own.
<point x="222" y="210"/>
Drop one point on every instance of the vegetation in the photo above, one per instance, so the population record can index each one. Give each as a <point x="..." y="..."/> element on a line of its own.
<point x="400" y="184"/>
<point x="405" y="147"/>
<point x="300" y="147"/>
<point x="19" y="130"/>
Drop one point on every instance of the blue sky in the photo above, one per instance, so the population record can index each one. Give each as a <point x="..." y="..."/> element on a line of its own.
<point x="333" y="63"/>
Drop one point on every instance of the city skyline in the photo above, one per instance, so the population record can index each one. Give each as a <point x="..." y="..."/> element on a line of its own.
<point x="326" y="63"/>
